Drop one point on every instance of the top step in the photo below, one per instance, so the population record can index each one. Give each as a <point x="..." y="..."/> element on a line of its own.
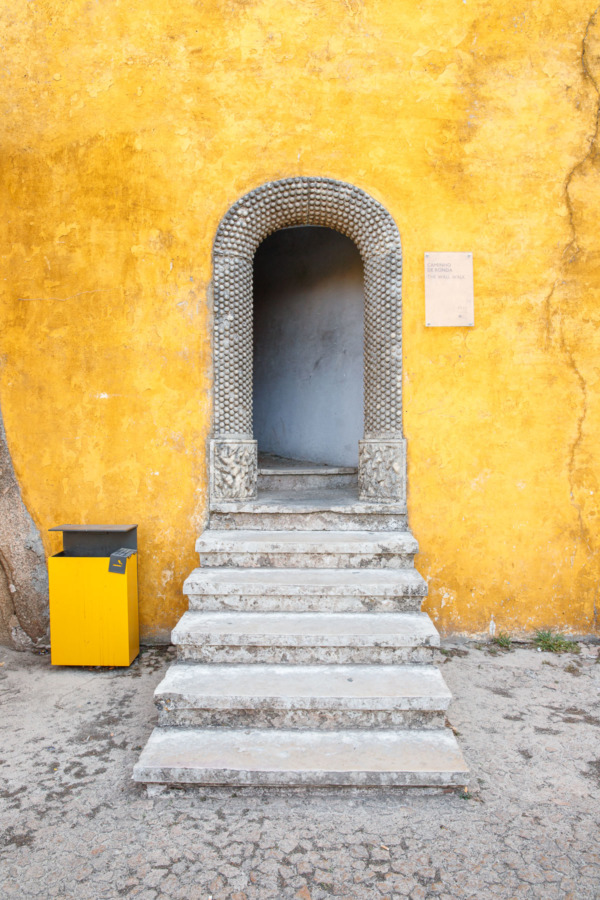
<point x="279" y="473"/>
<point x="325" y="509"/>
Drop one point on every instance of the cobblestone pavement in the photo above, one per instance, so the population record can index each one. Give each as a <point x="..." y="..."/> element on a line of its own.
<point x="74" y="825"/>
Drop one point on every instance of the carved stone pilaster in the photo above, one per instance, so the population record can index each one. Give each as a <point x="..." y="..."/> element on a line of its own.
<point x="233" y="469"/>
<point x="382" y="469"/>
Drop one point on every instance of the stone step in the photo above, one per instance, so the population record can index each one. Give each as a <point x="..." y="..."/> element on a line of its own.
<point x="308" y="590"/>
<point x="297" y="549"/>
<point x="305" y="637"/>
<point x="328" y="697"/>
<point x="277" y="473"/>
<point x="325" y="510"/>
<point x="274" y="758"/>
<point x="312" y="479"/>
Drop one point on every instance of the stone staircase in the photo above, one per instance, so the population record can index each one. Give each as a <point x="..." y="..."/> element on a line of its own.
<point x="304" y="658"/>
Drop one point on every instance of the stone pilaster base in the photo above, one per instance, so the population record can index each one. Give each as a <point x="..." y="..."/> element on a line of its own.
<point x="382" y="469"/>
<point x="233" y="469"/>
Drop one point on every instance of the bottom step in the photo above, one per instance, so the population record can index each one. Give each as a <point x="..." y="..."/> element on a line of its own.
<point x="294" y="758"/>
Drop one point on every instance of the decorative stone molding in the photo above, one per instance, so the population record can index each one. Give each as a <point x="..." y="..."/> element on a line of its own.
<point x="382" y="470"/>
<point x="233" y="469"/>
<point x="233" y="345"/>
<point x="281" y="204"/>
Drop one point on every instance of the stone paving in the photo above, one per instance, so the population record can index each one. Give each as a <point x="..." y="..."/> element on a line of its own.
<point x="74" y="825"/>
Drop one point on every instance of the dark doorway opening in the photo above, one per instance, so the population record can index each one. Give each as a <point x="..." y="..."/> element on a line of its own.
<point x="308" y="346"/>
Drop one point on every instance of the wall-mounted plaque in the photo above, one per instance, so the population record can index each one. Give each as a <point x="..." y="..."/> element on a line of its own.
<point x="449" y="289"/>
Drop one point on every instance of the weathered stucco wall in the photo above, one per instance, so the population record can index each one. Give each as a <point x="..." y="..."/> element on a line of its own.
<point x="126" y="133"/>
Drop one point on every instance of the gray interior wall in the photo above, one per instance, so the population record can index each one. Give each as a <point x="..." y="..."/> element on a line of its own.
<point x="308" y="346"/>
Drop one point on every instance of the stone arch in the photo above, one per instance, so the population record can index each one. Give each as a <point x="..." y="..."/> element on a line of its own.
<point x="348" y="209"/>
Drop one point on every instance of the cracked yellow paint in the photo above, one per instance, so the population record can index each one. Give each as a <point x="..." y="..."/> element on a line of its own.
<point x="127" y="132"/>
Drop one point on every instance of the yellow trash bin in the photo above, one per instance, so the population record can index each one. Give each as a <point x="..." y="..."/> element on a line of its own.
<point x="93" y="596"/>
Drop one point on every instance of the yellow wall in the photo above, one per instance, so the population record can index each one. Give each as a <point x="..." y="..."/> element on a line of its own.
<point x="128" y="129"/>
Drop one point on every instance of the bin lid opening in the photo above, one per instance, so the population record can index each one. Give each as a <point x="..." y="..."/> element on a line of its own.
<point x="97" y="540"/>
<point x="95" y="528"/>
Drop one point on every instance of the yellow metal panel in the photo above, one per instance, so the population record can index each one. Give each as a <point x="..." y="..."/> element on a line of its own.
<point x="132" y="608"/>
<point x="93" y="612"/>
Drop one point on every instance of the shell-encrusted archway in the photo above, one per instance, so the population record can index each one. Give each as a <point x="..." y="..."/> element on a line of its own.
<point x="344" y="208"/>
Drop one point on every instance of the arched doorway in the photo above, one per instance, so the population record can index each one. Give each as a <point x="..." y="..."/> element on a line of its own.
<point x="349" y="210"/>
